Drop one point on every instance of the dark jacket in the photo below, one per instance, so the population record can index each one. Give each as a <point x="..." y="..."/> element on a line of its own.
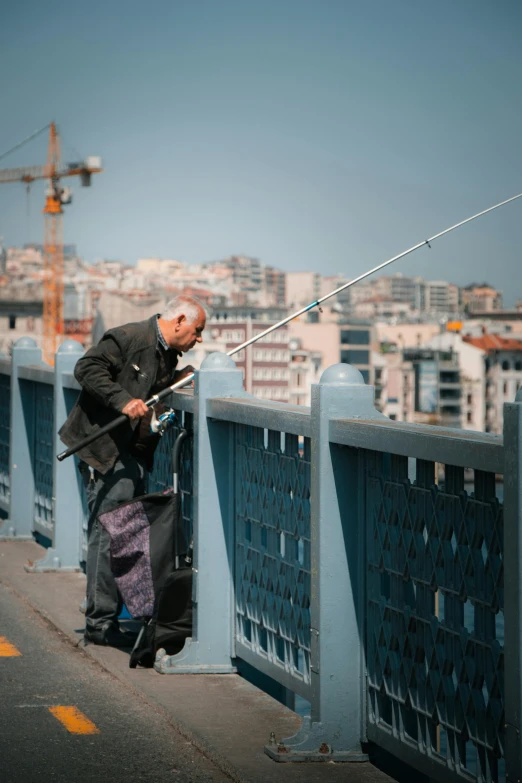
<point x="126" y="364"/>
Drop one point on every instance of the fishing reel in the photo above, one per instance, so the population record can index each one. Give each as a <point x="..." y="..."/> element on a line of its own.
<point x="160" y="424"/>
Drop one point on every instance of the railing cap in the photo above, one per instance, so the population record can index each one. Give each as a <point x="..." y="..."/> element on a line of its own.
<point x="70" y="346"/>
<point x="26" y="342"/>
<point x="218" y="361"/>
<point x="341" y="375"/>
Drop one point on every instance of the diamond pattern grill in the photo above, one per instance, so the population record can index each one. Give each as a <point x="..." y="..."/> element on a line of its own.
<point x="272" y="474"/>
<point x="43" y="458"/>
<point x="5" y="418"/>
<point x="435" y="640"/>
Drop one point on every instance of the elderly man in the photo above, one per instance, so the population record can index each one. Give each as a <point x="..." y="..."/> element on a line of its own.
<point x="129" y="365"/>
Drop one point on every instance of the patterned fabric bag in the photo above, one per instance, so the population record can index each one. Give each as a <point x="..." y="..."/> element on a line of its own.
<point x="143" y="535"/>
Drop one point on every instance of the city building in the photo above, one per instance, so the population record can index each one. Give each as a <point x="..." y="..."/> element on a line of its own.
<point x="265" y="365"/>
<point x="302" y="288"/>
<point x="305" y="369"/>
<point x="321" y="337"/>
<point x="405" y="335"/>
<point x="399" y="288"/>
<point x="275" y="287"/>
<point x="394" y="383"/>
<point x="439" y="297"/>
<point x="3" y="259"/>
<point x="481" y="298"/>
<point x="472" y="365"/>
<point x="503" y="366"/>
<point x="381" y="307"/>
<point x="355" y="345"/>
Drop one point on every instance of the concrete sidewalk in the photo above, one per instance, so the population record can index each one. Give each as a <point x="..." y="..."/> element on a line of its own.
<point x="224" y="716"/>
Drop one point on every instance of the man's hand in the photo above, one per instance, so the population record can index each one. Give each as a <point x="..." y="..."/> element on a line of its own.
<point x="135" y="409"/>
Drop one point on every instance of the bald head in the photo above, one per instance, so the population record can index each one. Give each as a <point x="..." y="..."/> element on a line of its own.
<point x="182" y="323"/>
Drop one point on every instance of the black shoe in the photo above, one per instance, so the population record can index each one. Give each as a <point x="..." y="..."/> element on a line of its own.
<point x="109" y="636"/>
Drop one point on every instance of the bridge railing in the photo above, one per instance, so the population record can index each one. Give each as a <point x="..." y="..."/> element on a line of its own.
<point x="357" y="562"/>
<point x="434" y="594"/>
<point x="5" y="428"/>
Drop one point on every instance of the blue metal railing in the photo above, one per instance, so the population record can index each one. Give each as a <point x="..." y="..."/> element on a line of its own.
<point x="435" y="600"/>
<point x="5" y="429"/>
<point x="365" y="571"/>
<point x="43" y="458"/>
<point x="272" y="566"/>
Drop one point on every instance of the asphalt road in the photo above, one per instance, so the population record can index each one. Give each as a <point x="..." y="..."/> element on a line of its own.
<point x="63" y="718"/>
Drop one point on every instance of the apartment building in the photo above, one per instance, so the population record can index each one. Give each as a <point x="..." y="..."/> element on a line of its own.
<point x="355" y="345"/>
<point x="503" y="370"/>
<point x="305" y="369"/>
<point x="481" y="298"/>
<point x="302" y="288"/>
<point x="265" y="365"/>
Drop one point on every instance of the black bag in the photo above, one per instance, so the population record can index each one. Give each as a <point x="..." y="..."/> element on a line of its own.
<point x="171" y="620"/>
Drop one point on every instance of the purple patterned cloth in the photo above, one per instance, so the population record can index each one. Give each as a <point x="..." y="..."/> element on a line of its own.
<point x="129" y="529"/>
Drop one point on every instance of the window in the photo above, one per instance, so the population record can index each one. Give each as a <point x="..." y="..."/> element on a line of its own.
<point x="470" y="399"/>
<point x="506" y="365"/>
<point x="12" y="321"/>
<point x="518" y="366"/>
<point x="355" y="336"/>
<point x="505" y="390"/>
<point x="366" y="376"/>
<point x="393" y="416"/>
<point x="355" y="357"/>
<point x="469" y="417"/>
<point x="233" y="335"/>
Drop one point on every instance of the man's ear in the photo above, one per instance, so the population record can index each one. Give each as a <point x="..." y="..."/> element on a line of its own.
<point x="179" y="320"/>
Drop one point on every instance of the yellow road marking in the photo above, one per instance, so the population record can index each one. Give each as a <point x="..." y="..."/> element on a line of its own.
<point x="74" y="721"/>
<point x="8" y="650"/>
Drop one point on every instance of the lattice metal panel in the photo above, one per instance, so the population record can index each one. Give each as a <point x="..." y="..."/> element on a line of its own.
<point x="43" y="458"/>
<point x="435" y="617"/>
<point x="5" y="420"/>
<point x="272" y="492"/>
<point x="161" y="476"/>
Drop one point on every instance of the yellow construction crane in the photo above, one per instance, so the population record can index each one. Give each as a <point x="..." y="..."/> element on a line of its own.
<point x="55" y="197"/>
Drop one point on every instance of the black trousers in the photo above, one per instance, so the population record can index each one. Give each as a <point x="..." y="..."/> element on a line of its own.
<point x="125" y="481"/>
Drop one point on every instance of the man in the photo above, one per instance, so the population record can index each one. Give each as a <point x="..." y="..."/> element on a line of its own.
<point x="129" y="365"/>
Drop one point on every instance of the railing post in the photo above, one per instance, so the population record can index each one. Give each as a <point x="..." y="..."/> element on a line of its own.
<point x="513" y="586"/>
<point x="19" y="525"/>
<point x="67" y="503"/>
<point x="212" y="647"/>
<point x="337" y="724"/>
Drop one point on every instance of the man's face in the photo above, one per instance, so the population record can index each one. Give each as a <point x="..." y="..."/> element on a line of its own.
<point x="186" y="334"/>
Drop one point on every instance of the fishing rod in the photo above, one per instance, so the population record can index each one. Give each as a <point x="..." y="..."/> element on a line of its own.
<point x="189" y="378"/>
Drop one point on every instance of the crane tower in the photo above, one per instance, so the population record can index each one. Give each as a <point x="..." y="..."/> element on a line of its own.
<point x="55" y="198"/>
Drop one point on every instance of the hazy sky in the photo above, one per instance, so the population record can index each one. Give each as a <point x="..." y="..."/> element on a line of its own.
<point x="325" y="135"/>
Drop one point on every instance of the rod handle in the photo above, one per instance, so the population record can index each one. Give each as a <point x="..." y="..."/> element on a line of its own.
<point x="92" y="437"/>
